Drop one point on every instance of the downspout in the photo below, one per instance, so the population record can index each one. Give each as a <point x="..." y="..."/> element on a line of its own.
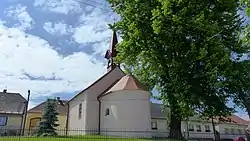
<point x="67" y="120"/>
<point x="99" y="116"/>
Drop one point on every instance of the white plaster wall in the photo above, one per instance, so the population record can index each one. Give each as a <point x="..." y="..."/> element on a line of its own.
<point x="92" y="105"/>
<point x="195" y="134"/>
<point x="222" y="127"/>
<point x="129" y="113"/>
<point x="90" y="119"/>
<point x="162" y="129"/>
<point x="77" y="126"/>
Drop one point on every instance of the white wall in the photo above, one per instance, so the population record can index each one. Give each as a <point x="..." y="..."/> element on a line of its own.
<point x="162" y="128"/>
<point x="195" y="133"/>
<point x="129" y="113"/>
<point x="92" y="105"/>
<point x="237" y="130"/>
<point x="163" y="131"/>
<point x="90" y="119"/>
<point x="77" y="126"/>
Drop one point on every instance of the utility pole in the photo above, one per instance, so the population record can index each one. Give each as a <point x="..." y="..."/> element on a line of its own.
<point x="25" y="113"/>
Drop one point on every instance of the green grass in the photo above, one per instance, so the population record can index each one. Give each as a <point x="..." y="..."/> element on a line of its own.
<point x="75" y="138"/>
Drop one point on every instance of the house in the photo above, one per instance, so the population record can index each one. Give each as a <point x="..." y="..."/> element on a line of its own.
<point x="233" y="127"/>
<point x="194" y="128"/>
<point x="34" y="116"/>
<point x="12" y="110"/>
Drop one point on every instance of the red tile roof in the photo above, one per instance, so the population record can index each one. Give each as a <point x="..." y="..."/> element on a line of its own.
<point x="127" y="82"/>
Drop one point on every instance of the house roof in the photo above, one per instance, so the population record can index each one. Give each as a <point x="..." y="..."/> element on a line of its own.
<point x="12" y="103"/>
<point x="127" y="82"/>
<point x="156" y="111"/>
<point x="233" y="119"/>
<point x="63" y="109"/>
<point x="98" y="80"/>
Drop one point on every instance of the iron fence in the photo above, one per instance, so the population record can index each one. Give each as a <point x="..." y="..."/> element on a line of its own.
<point x="12" y="134"/>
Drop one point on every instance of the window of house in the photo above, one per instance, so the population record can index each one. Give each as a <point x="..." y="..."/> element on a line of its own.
<point x="107" y="112"/>
<point x="207" y="128"/>
<point x="80" y="111"/>
<point x="232" y="131"/>
<point x="226" y="130"/>
<point x="34" y="122"/>
<point x="198" y="128"/>
<point x="191" y="127"/>
<point x="3" y="120"/>
<point x="240" y="131"/>
<point x="154" y="125"/>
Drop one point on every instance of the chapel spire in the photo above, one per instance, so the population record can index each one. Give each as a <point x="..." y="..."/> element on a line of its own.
<point x="111" y="52"/>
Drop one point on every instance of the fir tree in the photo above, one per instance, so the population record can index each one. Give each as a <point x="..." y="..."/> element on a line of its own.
<point x="47" y="126"/>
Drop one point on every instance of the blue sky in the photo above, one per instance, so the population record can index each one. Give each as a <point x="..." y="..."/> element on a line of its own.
<point x="53" y="47"/>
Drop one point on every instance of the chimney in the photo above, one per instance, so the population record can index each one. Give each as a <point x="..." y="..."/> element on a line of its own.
<point x="5" y="90"/>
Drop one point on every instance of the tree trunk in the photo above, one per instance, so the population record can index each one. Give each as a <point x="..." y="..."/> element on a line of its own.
<point x="216" y="134"/>
<point x="175" y="126"/>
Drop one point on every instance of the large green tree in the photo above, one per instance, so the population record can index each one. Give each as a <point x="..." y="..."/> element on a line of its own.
<point x="181" y="46"/>
<point x="239" y="84"/>
<point x="47" y="126"/>
<point x="238" y="77"/>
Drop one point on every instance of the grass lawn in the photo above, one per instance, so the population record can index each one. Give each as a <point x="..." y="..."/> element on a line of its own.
<point x="82" y="138"/>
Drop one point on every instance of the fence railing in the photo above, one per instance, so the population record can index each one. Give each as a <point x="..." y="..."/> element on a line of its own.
<point x="12" y="134"/>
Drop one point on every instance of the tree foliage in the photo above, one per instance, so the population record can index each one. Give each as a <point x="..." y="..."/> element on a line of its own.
<point x="183" y="47"/>
<point x="239" y="84"/>
<point x="48" y="122"/>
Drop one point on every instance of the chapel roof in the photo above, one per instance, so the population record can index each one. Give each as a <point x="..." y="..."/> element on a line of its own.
<point x="127" y="82"/>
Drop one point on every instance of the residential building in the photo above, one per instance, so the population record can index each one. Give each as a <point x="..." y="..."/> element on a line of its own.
<point x="233" y="127"/>
<point x="12" y="109"/>
<point x="34" y="116"/>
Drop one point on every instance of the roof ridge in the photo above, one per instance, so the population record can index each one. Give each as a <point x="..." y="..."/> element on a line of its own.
<point x="96" y="81"/>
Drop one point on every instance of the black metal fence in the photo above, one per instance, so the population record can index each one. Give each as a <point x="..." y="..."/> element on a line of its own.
<point x="10" y="134"/>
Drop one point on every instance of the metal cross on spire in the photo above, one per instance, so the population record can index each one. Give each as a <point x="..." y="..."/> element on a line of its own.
<point x="111" y="52"/>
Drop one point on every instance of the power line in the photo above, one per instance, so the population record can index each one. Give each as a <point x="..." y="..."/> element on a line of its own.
<point x="82" y="2"/>
<point x="105" y="9"/>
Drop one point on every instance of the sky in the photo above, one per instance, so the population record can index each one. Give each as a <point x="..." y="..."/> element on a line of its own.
<point x="55" y="48"/>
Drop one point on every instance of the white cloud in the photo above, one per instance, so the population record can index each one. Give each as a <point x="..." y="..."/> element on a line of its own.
<point x="22" y="53"/>
<point x="59" y="6"/>
<point x="94" y="29"/>
<point x="59" y="28"/>
<point x="20" y="13"/>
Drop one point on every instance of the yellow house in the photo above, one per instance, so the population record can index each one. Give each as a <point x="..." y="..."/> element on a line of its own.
<point x="12" y="109"/>
<point x="34" y="116"/>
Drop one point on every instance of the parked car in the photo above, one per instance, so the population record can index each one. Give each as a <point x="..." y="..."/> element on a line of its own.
<point x="240" y="138"/>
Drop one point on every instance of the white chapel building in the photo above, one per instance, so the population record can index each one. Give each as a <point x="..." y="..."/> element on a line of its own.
<point x="115" y="104"/>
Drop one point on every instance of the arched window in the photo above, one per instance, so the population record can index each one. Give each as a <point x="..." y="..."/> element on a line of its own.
<point x="107" y="112"/>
